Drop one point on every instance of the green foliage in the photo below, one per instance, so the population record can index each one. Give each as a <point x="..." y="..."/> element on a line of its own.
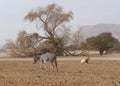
<point x="116" y="47"/>
<point x="102" y="42"/>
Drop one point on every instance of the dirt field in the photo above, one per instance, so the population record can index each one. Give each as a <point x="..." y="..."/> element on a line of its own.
<point x="71" y="73"/>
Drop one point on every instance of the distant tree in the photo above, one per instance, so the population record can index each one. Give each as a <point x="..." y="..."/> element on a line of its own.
<point x="77" y="40"/>
<point x="102" y="42"/>
<point x="51" y="19"/>
<point x="77" y="44"/>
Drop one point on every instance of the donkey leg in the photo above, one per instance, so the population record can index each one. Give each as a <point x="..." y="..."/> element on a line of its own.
<point x="52" y="67"/>
<point x="56" y="65"/>
<point x="41" y="66"/>
<point x="45" y="66"/>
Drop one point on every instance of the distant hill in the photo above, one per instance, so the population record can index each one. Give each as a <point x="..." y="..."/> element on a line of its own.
<point x="93" y="30"/>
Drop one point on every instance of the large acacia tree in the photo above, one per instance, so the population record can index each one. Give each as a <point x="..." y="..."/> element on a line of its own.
<point x="50" y="19"/>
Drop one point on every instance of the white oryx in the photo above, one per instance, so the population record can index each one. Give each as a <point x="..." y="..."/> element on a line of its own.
<point x="85" y="60"/>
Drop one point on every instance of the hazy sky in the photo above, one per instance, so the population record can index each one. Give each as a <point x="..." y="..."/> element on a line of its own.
<point x="85" y="12"/>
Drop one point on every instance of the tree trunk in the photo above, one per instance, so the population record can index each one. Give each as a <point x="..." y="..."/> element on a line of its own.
<point x="101" y="51"/>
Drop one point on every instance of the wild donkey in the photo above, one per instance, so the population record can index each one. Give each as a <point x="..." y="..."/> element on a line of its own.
<point x="48" y="57"/>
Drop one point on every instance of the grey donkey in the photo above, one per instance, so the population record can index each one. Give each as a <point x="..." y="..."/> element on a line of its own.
<point x="47" y="57"/>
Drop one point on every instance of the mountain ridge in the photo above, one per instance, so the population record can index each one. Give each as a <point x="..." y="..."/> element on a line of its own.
<point x="93" y="30"/>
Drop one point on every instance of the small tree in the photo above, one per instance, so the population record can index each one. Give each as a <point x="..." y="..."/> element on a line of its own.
<point x="77" y="40"/>
<point x="102" y="42"/>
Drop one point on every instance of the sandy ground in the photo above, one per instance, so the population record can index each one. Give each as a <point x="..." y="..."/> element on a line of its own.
<point x="101" y="71"/>
<point x="60" y="59"/>
<point x="71" y="73"/>
<point x="93" y="55"/>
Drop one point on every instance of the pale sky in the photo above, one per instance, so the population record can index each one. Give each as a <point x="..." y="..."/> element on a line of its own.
<point x="85" y="12"/>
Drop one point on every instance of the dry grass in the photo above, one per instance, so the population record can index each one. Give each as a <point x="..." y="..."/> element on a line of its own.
<point x="71" y="73"/>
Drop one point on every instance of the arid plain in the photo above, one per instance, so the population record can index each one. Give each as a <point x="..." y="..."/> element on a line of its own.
<point x="101" y="71"/>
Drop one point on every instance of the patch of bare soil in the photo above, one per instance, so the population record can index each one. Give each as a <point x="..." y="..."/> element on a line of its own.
<point x="71" y="73"/>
